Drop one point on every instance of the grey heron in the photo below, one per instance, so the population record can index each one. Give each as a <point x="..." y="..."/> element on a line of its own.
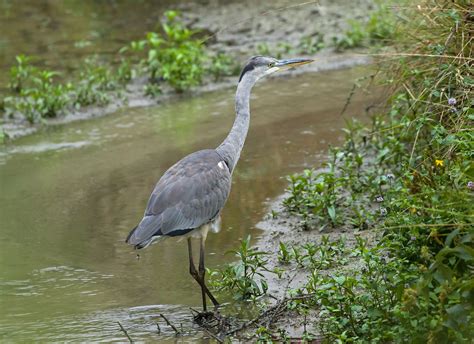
<point x="189" y="197"/>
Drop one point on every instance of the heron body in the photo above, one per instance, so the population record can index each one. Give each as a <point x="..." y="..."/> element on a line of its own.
<point x="189" y="197"/>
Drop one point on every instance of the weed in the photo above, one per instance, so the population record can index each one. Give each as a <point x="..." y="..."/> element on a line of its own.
<point x="222" y="65"/>
<point x="20" y="73"/>
<point x="311" y="44"/>
<point x="379" y="28"/>
<point x="38" y="95"/>
<point x="278" y="51"/>
<point x="407" y="174"/>
<point x="352" y="38"/>
<point x="174" y="56"/>
<point x="240" y="277"/>
<point x="152" y="90"/>
<point x="284" y="255"/>
<point x="96" y="82"/>
<point x="312" y="195"/>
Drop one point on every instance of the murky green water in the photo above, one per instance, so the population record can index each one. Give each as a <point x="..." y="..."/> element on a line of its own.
<point x="70" y="195"/>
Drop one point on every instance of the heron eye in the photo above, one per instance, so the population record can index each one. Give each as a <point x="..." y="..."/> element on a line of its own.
<point x="271" y="64"/>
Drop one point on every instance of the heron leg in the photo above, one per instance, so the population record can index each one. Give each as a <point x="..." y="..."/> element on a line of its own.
<point x="202" y="272"/>
<point x="196" y="276"/>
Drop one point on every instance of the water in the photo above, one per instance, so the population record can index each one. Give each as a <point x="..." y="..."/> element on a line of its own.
<point x="70" y="195"/>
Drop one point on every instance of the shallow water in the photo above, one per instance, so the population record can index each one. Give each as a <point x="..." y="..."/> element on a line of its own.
<point x="70" y="194"/>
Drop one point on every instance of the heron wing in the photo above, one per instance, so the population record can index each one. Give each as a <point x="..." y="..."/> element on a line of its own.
<point x="191" y="193"/>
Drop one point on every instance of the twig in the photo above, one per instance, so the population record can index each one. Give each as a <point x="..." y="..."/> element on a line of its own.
<point x="170" y="324"/>
<point x="348" y="100"/>
<point x="125" y="331"/>
<point x="194" y="310"/>
<point x="212" y="335"/>
<point x="275" y="308"/>
<point x="417" y="55"/>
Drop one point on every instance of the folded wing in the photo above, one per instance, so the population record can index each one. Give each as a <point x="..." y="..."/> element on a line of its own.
<point x="191" y="193"/>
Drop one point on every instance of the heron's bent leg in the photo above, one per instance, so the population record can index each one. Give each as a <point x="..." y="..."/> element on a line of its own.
<point x="195" y="274"/>
<point x="202" y="272"/>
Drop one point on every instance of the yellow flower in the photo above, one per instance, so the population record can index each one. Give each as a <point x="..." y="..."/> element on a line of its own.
<point x="439" y="163"/>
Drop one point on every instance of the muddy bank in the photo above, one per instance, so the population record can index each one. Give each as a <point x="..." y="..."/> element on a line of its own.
<point x="238" y="29"/>
<point x="286" y="228"/>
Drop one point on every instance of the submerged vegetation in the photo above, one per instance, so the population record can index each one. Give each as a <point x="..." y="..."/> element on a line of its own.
<point x="409" y="179"/>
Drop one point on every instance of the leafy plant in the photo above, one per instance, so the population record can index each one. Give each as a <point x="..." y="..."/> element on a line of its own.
<point x="313" y="196"/>
<point x="380" y="26"/>
<point x="311" y="44"/>
<point x="20" y="73"/>
<point x="222" y="65"/>
<point x="240" y="278"/>
<point x="96" y="82"/>
<point x="352" y="38"/>
<point x="39" y="96"/>
<point x="173" y="56"/>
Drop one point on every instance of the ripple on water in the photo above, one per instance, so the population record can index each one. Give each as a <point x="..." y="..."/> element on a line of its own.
<point x="141" y="323"/>
<point x="47" y="146"/>
<point x="45" y="281"/>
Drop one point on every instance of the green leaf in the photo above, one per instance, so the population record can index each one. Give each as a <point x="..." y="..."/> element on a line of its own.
<point x="332" y="213"/>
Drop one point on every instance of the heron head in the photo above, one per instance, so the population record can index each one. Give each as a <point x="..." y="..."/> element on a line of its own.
<point x="260" y="66"/>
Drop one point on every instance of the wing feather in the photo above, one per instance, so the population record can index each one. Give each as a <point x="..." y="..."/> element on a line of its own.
<point x="191" y="193"/>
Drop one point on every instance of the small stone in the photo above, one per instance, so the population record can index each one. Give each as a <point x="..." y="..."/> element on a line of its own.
<point x="379" y="199"/>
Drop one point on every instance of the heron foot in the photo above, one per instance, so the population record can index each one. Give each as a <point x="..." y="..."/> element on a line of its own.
<point x="204" y="318"/>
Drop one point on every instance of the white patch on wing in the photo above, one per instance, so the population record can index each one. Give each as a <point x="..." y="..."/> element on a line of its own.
<point x="221" y="165"/>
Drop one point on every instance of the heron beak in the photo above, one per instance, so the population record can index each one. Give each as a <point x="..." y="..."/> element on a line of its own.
<point x="287" y="64"/>
<point x="290" y="63"/>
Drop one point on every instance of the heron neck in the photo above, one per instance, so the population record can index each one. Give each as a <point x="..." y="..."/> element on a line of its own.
<point x="231" y="147"/>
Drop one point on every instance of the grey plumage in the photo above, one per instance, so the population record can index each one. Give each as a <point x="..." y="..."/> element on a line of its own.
<point x="191" y="193"/>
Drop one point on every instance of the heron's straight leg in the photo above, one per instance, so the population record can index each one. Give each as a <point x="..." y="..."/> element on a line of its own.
<point x="202" y="272"/>
<point x="196" y="275"/>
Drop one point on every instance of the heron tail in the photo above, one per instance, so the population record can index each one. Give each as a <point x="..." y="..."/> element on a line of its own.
<point x="147" y="231"/>
<point x="130" y="235"/>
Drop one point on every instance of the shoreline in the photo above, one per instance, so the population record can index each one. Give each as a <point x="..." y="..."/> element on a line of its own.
<point x="135" y="98"/>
